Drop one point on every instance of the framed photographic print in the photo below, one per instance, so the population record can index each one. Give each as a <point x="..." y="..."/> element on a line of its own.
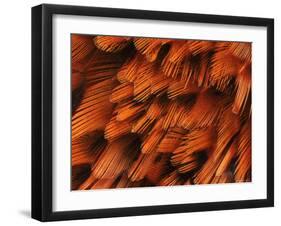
<point x="147" y="112"/>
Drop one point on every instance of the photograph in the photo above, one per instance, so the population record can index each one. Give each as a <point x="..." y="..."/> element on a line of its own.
<point x="159" y="112"/>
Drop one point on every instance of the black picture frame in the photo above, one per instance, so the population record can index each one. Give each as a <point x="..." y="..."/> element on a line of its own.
<point x="42" y="111"/>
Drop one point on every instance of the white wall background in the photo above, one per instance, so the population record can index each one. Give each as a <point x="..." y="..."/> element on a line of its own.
<point x="15" y="113"/>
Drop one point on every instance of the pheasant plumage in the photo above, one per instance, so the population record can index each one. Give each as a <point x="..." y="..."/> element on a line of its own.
<point x="159" y="112"/>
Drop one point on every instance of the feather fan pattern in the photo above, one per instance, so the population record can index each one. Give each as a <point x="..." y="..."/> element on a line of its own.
<point x="159" y="112"/>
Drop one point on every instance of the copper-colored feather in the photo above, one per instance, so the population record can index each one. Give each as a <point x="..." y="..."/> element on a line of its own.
<point x="141" y="166"/>
<point x="205" y="112"/>
<point x="117" y="157"/>
<point x="129" y="70"/>
<point x="171" y="179"/>
<point x="224" y="67"/>
<point x="86" y="149"/>
<point x="115" y="129"/>
<point x="186" y="156"/>
<point x="111" y="43"/>
<point x="122" y="92"/>
<point x="94" y="110"/>
<point x="243" y="164"/>
<point x="243" y="90"/>
<point x="223" y="151"/>
<point x="150" y="47"/>
<point x="171" y="140"/>
<point x="241" y="50"/>
<point x="151" y="141"/>
<point x="82" y="47"/>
